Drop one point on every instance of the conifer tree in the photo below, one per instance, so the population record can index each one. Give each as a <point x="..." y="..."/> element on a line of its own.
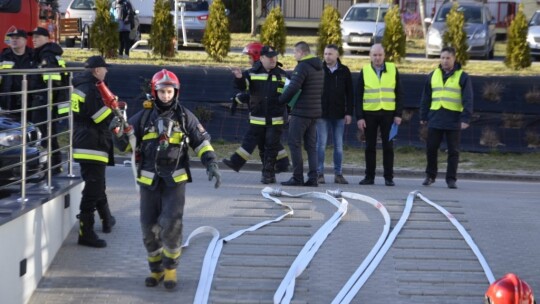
<point x="273" y="31"/>
<point x="394" y="40"/>
<point x="455" y="35"/>
<point x="162" y="32"/>
<point x="329" y="30"/>
<point x="518" y="53"/>
<point x="104" y="31"/>
<point x="217" y="38"/>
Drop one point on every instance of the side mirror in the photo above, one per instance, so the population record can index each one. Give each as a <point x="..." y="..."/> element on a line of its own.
<point x="428" y="20"/>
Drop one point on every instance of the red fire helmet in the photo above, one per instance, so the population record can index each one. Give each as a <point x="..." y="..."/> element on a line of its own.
<point x="253" y="49"/>
<point x="509" y="289"/>
<point x="163" y="79"/>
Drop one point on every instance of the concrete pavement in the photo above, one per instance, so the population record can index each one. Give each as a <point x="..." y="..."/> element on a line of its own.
<point x="428" y="263"/>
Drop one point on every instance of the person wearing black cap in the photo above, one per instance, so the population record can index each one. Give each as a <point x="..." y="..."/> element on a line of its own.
<point x="265" y="80"/>
<point x="16" y="56"/>
<point x="92" y="148"/>
<point x="48" y="55"/>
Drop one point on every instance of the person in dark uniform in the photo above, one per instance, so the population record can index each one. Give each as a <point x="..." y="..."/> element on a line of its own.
<point x="92" y="149"/>
<point x="379" y="105"/>
<point x="164" y="131"/>
<point x="253" y="50"/>
<point x="48" y="55"/>
<point x="16" y="56"/>
<point x="265" y="81"/>
<point x="446" y="109"/>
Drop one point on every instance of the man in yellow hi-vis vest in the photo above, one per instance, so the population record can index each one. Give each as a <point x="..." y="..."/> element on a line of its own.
<point x="378" y="107"/>
<point x="446" y="108"/>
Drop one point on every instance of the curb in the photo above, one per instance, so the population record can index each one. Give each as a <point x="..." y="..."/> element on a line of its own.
<point x="359" y="171"/>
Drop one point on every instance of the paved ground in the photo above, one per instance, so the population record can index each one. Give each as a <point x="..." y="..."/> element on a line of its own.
<point x="428" y="263"/>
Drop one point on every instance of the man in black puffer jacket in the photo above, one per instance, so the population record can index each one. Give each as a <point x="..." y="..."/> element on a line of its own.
<point x="303" y="95"/>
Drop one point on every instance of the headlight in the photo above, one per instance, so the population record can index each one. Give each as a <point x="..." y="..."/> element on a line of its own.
<point x="434" y="37"/>
<point x="10" y="139"/>
<point x="479" y="35"/>
<point x="380" y="32"/>
<point x="530" y="38"/>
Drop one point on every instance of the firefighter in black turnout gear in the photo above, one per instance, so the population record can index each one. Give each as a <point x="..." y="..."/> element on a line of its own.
<point x="163" y="132"/>
<point x="93" y="149"/>
<point x="265" y="81"/>
<point x="48" y="55"/>
<point x="16" y="56"/>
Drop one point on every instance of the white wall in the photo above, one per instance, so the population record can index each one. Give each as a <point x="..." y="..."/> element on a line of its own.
<point x="36" y="236"/>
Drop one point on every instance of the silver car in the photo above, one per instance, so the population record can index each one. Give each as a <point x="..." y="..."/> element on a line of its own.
<point x="479" y="26"/>
<point x="533" y="35"/>
<point x="362" y="26"/>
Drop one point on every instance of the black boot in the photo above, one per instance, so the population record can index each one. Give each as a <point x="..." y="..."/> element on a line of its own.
<point x="107" y="220"/>
<point x="268" y="172"/>
<point x="87" y="236"/>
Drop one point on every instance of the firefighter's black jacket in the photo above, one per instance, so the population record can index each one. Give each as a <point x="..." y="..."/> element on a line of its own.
<point x="171" y="164"/>
<point x="264" y="87"/>
<point x="92" y="140"/>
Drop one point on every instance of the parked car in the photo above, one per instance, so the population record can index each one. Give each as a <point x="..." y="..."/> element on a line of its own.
<point x="479" y="26"/>
<point x="10" y="137"/>
<point x="533" y="35"/>
<point x="86" y="10"/>
<point x="195" y="17"/>
<point x="362" y="26"/>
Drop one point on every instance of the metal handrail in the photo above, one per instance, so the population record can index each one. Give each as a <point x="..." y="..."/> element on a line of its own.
<point x="45" y="138"/>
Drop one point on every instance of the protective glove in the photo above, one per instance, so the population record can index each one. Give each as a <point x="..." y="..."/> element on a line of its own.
<point x="213" y="171"/>
<point x="116" y="127"/>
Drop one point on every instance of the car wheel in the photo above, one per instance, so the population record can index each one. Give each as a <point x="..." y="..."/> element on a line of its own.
<point x="491" y="54"/>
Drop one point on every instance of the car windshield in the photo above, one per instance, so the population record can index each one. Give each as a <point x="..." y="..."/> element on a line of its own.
<point x="535" y="20"/>
<point x="366" y="14"/>
<point x="83" y="4"/>
<point x="195" y="6"/>
<point x="471" y="14"/>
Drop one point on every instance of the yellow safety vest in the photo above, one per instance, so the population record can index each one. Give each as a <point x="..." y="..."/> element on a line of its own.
<point x="379" y="94"/>
<point x="446" y="95"/>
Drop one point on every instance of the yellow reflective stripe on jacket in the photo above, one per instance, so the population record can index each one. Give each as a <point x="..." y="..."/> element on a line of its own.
<point x="63" y="108"/>
<point x="101" y="114"/>
<point x="53" y="76"/>
<point x="146" y="177"/>
<point x="263" y="77"/>
<point x="204" y="147"/>
<point x="180" y="175"/>
<point x="88" y="154"/>
<point x="7" y="64"/>
<point x="257" y="120"/>
<point x="446" y="94"/>
<point x="150" y="135"/>
<point x="176" y="138"/>
<point x="261" y="121"/>
<point x="77" y="97"/>
<point x="379" y="94"/>
<point x="243" y="153"/>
